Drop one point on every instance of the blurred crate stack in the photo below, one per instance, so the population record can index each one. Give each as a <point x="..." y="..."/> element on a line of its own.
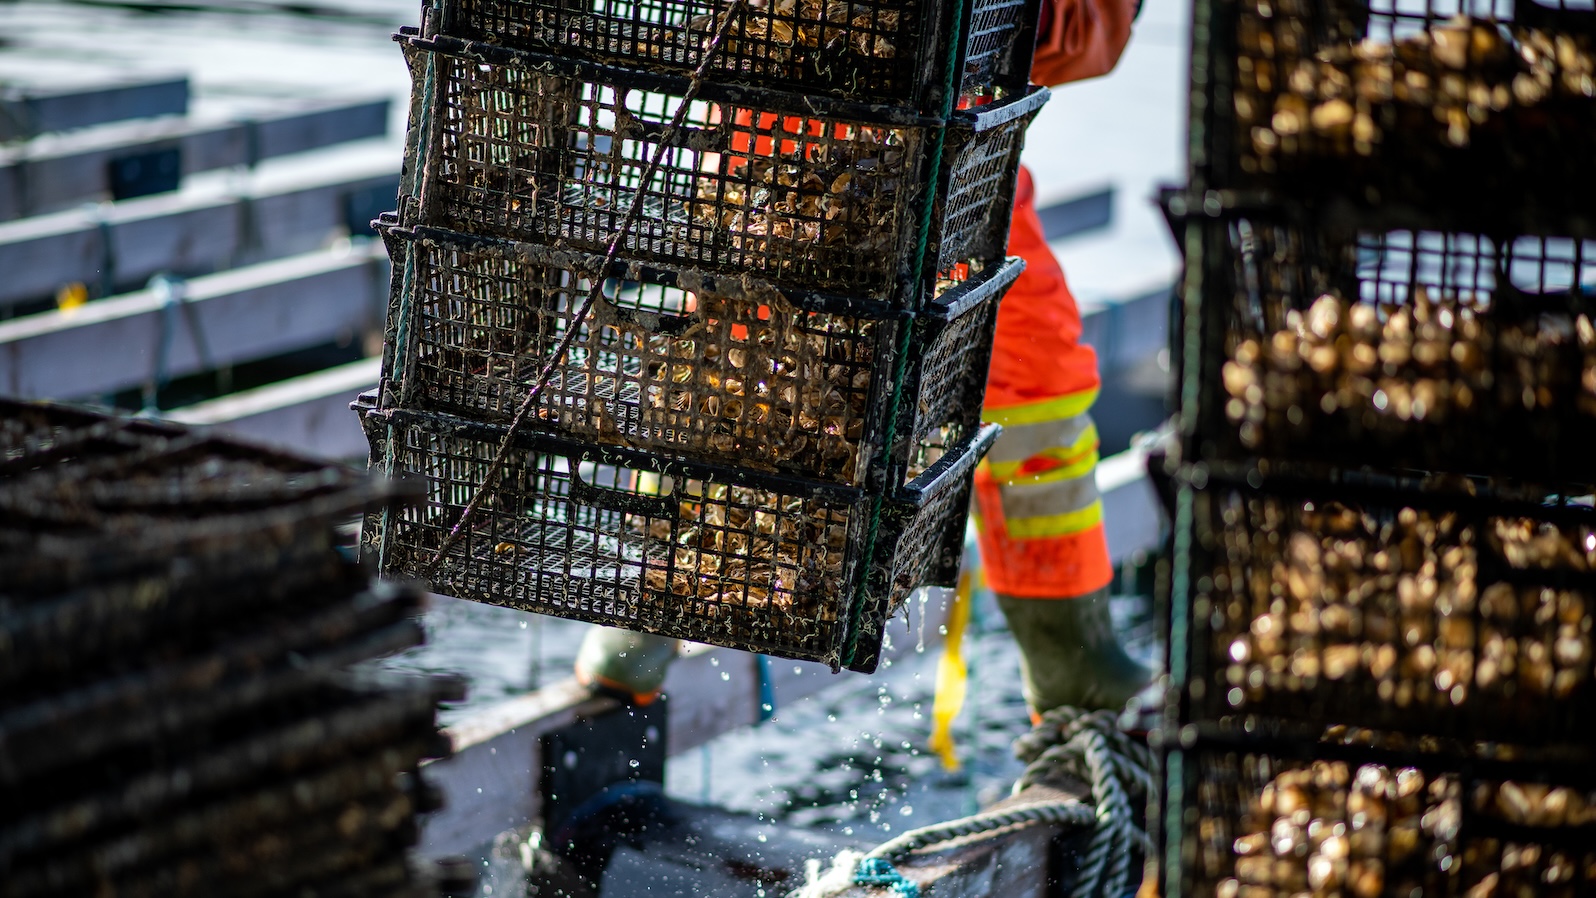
<point x="178" y="712"/>
<point x="763" y="433"/>
<point x="1380" y="608"/>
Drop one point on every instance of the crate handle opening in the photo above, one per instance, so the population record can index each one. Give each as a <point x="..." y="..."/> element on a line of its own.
<point x="630" y="492"/>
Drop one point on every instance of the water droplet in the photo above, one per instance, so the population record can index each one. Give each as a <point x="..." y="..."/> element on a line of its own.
<point x="906" y="810"/>
<point x="725" y="676"/>
<point x="523" y="625"/>
<point x="634" y="763"/>
<point x="831" y="717"/>
<point x="714" y="662"/>
<point x="762" y="837"/>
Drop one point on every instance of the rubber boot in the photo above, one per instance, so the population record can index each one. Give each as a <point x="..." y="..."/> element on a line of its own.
<point x="1069" y="654"/>
<point x="631" y="665"/>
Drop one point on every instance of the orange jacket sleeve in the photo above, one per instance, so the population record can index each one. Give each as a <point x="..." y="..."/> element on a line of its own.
<point x="1080" y="39"/>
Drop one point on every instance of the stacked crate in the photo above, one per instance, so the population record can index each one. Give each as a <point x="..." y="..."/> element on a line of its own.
<point x="1382" y="596"/>
<point x="762" y="434"/>
<point x="178" y="713"/>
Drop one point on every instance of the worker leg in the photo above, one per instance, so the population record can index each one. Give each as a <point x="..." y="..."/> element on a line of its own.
<point x="632" y="665"/>
<point x="1037" y="509"/>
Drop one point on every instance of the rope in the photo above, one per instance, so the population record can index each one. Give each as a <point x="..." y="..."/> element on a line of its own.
<point x="492" y="474"/>
<point x="1069" y="742"/>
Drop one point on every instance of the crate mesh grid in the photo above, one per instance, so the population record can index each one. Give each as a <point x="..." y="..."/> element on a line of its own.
<point x="746" y="378"/>
<point x="701" y="559"/>
<point x="804" y="200"/>
<point x="1387" y="346"/>
<point x="875" y="50"/>
<point x="1335" y="819"/>
<point x="1404" y="612"/>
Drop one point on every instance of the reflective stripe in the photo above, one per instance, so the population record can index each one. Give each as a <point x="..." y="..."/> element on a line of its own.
<point x="1021" y="441"/>
<point x="1067" y="524"/>
<point x="1066" y="406"/>
<point x="1006" y="462"/>
<point x="1030" y="501"/>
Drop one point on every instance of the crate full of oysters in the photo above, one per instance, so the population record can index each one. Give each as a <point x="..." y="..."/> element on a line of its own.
<point x="1429" y="608"/>
<point x="718" y="369"/>
<point x="890" y="52"/>
<point x="802" y="191"/>
<point x="1479" y="114"/>
<point x="1359" y="815"/>
<point x="711" y="553"/>
<point x="1420" y="349"/>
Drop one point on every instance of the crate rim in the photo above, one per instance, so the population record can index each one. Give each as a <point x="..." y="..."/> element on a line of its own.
<point x="975" y="119"/>
<point x="994" y="278"/>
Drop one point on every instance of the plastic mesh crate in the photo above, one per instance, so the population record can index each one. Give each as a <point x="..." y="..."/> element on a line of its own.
<point x="1476" y="111"/>
<point x="1425" y="610"/>
<point x="798" y="191"/>
<point x="1424" y="349"/>
<point x="724" y="370"/>
<point x="1357" y="815"/>
<point x="625" y="538"/>
<point x="880" y="51"/>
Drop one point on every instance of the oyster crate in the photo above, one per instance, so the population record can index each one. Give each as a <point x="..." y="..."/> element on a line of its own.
<point x="1401" y="348"/>
<point x="1469" y="114"/>
<point x="711" y="553"/>
<point x="718" y="369"/>
<point x="801" y="191"/>
<point x="1359" y="814"/>
<point x="1419" y="608"/>
<point x="875" y="51"/>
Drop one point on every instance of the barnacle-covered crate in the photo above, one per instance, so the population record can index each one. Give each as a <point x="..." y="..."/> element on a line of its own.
<point x="1470" y="112"/>
<point x="800" y="191"/>
<point x="1425" y="607"/>
<point x="709" y="553"/>
<point x="720" y="369"/>
<point x="875" y="51"/>
<point x="1396" y="347"/>
<point x="1360" y="814"/>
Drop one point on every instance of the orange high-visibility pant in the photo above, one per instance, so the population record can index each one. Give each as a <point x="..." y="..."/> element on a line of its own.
<point x="1037" y="509"/>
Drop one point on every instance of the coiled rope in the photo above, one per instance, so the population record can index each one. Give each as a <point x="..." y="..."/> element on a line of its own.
<point x="1068" y="743"/>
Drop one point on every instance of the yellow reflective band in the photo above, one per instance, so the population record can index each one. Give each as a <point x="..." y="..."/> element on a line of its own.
<point x="1083" y="452"/>
<point x="1066" y="406"/>
<point x="1067" y="524"/>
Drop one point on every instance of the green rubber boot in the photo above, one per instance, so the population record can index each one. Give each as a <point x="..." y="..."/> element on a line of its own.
<point x="1069" y="654"/>
<point x="621" y="661"/>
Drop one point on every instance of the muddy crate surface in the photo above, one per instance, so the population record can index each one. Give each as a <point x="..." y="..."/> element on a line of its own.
<point x="796" y="190"/>
<point x="1476" y="109"/>
<point x="1362" y="815"/>
<point x="723" y="370"/>
<point x="1423" y="349"/>
<point x="875" y="51"/>
<point x="712" y="554"/>
<point x="1426" y="610"/>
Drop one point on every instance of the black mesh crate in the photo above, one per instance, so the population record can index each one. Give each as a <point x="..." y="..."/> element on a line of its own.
<point x="1413" y="607"/>
<point x="797" y="190"/>
<point x="1359" y="815"/>
<point x="1393" y="347"/>
<point x="1468" y="113"/>
<point x="708" y="553"/>
<point x="875" y="51"/>
<point x="719" y="369"/>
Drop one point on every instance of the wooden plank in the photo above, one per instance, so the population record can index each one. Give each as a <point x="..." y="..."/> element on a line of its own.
<point x="190" y="233"/>
<point x="53" y="173"/>
<point x="223" y="319"/>
<point x="308" y="414"/>
<point x="31" y="110"/>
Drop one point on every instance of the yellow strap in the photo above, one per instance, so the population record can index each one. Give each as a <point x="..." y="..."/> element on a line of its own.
<point x="1077" y="459"/>
<point x="952" y="675"/>
<point x="1066" y="524"/>
<point x="1067" y="406"/>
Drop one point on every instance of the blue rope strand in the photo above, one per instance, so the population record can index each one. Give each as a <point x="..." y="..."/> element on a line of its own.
<point x="878" y="871"/>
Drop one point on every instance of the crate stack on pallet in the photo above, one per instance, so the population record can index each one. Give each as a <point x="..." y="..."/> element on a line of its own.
<point x="1381" y="602"/>
<point x="790" y="220"/>
<point x="178" y="710"/>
